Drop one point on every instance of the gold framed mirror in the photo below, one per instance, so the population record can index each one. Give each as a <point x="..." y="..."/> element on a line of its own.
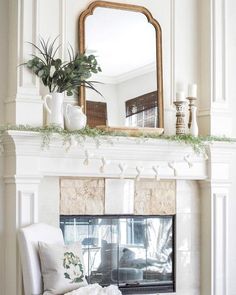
<point x="127" y="42"/>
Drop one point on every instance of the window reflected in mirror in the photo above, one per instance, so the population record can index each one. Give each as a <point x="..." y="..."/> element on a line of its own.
<point x="142" y="111"/>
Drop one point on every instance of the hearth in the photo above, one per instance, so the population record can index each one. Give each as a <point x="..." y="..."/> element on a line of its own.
<point x="134" y="252"/>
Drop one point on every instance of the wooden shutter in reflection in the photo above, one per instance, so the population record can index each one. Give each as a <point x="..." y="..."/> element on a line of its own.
<point x="142" y="111"/>
<point x="96" y="113"/>
<point x="141" y="103"/>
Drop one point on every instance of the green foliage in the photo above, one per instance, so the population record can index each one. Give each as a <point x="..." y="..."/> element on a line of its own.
<point x="73" y="267"/>
<point x="199" y="144"/>
<point x="66" y="276"/>
<point x="61" y="76"/>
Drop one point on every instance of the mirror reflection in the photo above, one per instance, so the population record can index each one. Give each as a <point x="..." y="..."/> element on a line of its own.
<point x="125" y="44"/>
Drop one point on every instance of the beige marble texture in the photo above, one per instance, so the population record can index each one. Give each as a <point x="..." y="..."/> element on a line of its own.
<point x="155" y="197"/>
<point x="86" y="196"/>
<point x="82" y="196"/>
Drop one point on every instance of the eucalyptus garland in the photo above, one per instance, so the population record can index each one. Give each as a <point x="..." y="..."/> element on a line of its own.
<point x="198" y="144"/>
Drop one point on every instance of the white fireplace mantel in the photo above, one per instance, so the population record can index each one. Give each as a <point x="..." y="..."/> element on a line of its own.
<point x="26" y="163"/>
<point x="173" y="160"/>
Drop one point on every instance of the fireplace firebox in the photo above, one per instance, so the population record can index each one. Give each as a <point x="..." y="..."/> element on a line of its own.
<point x="134" y="252"/>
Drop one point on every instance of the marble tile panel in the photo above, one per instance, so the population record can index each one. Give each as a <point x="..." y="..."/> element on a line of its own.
<point x="155" y="197"/>
<point x="82" y="196"/>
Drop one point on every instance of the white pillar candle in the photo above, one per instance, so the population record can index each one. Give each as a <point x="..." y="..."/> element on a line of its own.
<point x="192" y="90"/>
<point x="180" y="96"/>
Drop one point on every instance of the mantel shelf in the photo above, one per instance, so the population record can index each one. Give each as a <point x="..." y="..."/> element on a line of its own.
<point x="173" y="160"/>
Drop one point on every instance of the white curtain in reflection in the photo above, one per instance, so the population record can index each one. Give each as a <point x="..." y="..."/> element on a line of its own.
<point x="159" y="244"/>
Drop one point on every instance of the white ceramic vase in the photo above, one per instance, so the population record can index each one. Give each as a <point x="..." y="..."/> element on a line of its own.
<point x="54" y="108"/>
<point x="75" y="119"/>
<point x="193" y="130"/>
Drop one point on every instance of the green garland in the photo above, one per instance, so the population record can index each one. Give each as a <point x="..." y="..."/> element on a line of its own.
<point x="199" y="144"/>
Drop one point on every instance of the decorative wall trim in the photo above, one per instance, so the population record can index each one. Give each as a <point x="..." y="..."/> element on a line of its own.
<point x="220" y="111"/>
<point x="204" y="112"/>
<point x="36" y="21"/>
<point x="220" y="244"/>
<point x="62" y="28"/>
<point x="26" y="99"/>
<point x="219" y="87"/>
<point x="21" y="42"/>
<point x="28" y="32"/>
<point x="27" y="212"/>
<point x="26" y="179"/>
<point x="172" y="51"/>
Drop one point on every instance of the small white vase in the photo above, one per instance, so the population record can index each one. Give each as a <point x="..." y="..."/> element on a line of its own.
<point x="55" y="111"/>
<point x="75" y="119"/>
<point x="193" y="130"/>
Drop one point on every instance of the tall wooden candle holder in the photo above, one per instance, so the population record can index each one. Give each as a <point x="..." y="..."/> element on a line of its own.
<point x="191" y="103"/>
<point x="180" y="115"/>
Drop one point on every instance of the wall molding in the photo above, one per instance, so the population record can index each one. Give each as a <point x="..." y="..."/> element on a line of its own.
<point x="23" y="179"/>
<point x="27" y="207"/>
<point x="220" y="244"/>
<point x="214" y="112"/>
<point x="24" y="99"/>
<point x="218" y="51"/>
<point x="28" y="32"/>
<point x="172" y="51"/>
<point x="62" y="28"/>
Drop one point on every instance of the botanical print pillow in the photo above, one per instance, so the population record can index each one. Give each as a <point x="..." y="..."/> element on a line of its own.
<point x="74" y="270"/>
<point x="62" y="267"/>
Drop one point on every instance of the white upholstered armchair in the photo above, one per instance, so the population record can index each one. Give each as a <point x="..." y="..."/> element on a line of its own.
<point x="28" y="244"/>
<point x="29" y="238"/>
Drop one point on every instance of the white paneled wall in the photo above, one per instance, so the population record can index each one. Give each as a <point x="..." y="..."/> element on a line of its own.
<point x="231" y="230"/>
<point x="3" y="55"/>
<point x="215" y="108"/>
<point x="231" y="92"/>
<point x="199" y="45"/>
<point x="187" y="237"/>
<point x="3" y="93"/>
<point x="2" y="224"/>
<point x="231" y="59"/>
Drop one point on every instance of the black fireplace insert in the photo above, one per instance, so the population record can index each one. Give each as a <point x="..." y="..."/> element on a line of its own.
<point x="134" y="252"/>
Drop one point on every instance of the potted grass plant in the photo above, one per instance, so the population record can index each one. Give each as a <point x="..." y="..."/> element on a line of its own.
<point x="61" y="76"/>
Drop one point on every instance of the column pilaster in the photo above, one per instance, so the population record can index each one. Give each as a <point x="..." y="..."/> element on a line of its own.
<point x="21" y="203"/>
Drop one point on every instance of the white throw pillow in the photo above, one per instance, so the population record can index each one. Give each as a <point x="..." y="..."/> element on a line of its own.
<point x="62" y="267"/>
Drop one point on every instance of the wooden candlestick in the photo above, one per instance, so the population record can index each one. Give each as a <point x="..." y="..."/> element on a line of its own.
<point x="191" y="103"/>
<point x="180" y="114"/>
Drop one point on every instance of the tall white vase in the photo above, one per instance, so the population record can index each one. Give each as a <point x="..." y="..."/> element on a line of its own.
<point x="54" y="108"/>
<point x="194" y="126"/>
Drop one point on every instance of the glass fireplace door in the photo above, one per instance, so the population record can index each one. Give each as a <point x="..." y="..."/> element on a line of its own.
<point x="134" y="252"/>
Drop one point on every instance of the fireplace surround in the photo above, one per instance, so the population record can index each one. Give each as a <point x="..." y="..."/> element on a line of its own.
<point x="126" y="229"/>
<point x="31" y="194"/>
<point x="134" y="252"/>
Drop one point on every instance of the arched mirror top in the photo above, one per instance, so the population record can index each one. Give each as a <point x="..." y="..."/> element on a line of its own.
<point x="147" y="39"/>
